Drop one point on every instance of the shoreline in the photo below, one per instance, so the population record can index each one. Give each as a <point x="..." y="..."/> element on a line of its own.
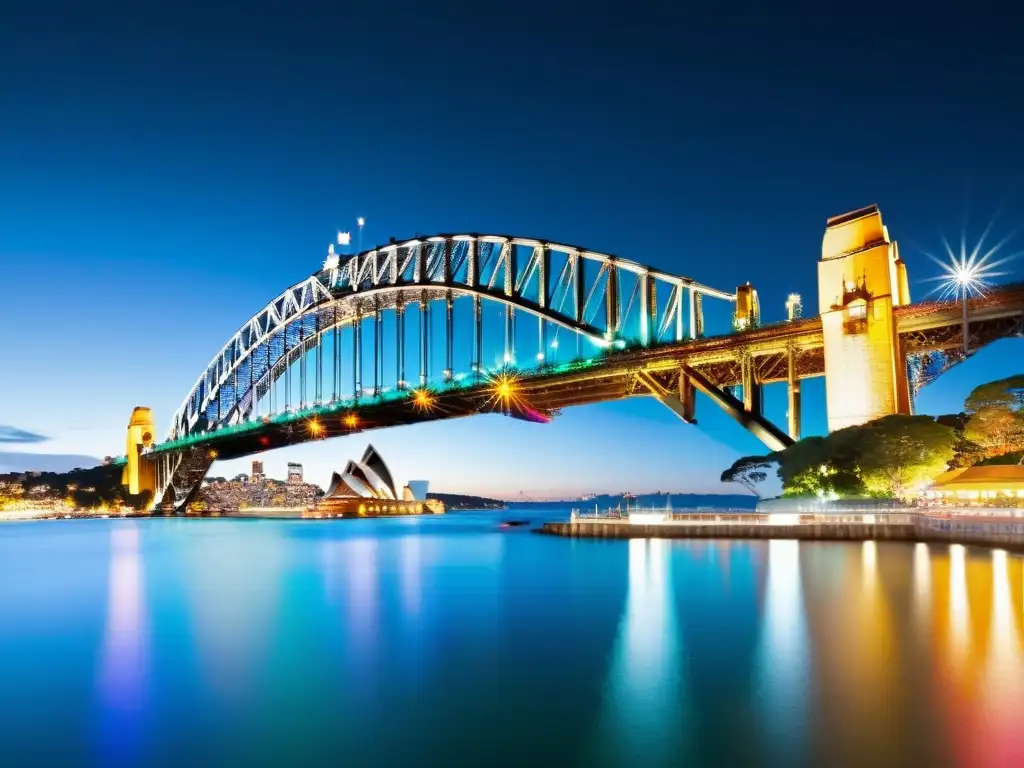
<point x="967" y="534"/>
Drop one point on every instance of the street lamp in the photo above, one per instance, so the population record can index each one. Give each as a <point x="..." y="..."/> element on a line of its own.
<point x="966" y="275"/>
<point x="963" y="278"/>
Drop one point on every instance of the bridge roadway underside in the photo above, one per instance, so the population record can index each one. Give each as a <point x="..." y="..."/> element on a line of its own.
<point x="542" y="392"/>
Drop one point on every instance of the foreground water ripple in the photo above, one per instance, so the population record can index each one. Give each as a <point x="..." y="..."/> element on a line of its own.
<point x="451" y="641"/>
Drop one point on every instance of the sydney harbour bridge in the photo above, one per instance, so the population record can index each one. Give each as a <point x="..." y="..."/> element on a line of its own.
<point x="455" y="325"/>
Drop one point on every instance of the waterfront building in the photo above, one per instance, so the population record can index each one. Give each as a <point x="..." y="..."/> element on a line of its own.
<point x="257" y="471"/>
<point x="365" y="488"/>
<point x="1002" y="484"/>
<point x="294" y="473"/>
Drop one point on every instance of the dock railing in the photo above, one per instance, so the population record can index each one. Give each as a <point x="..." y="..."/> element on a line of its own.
<point x="776" y="512"/>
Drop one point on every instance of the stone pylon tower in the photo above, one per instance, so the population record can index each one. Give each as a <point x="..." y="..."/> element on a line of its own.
<point x="861" y="278"/>
<point x="139" y="475"/>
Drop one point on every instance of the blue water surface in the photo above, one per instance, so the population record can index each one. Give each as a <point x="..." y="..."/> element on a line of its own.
<point x="453" y="641"/>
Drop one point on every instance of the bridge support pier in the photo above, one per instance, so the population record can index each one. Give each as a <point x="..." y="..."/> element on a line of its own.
<point x="751" y="389"/>
<point x="687" y="398"/>
<point x="752" y="421"/>
<point x="681" y="405"/>
<point x="861" y="279"/>
<point x="139" y="474"/>
<point x="793" y="414"/>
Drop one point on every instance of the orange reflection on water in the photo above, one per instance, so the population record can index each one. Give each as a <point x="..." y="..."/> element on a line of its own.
<point x="917" y="659"/>
<point x="979" y="656"/>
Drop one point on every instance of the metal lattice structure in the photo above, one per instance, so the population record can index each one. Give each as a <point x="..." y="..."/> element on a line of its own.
<point x="428" y="328"/>
<point x="594" y="300"/>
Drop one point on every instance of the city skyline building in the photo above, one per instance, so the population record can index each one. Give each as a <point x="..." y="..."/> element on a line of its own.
<point x="294" y="472"/>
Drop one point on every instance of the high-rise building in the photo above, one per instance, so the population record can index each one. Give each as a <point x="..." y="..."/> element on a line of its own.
<point x="294" y="473"/>
<point x="257" y="471"/>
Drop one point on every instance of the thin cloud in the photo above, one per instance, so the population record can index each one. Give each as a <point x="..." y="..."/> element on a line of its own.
<point x="15" y="435"/>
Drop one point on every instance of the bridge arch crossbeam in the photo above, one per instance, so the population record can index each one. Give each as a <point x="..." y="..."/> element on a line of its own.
<point x="590" y="294"/>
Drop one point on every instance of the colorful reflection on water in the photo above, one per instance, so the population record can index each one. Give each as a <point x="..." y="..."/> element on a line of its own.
<point x="453" y="642"/>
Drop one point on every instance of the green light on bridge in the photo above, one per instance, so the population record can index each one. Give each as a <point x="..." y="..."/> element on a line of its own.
<point x="347" y="404"/>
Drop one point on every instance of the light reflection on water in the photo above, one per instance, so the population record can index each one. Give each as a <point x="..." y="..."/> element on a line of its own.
<point x="643" y="713"/>
<point x="449" y="641"/>
<point x="122" y="674"/>
<point x="784" y="658"/>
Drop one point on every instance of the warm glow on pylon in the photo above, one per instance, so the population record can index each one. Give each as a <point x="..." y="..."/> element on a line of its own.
<point x="351" y="421"/>
<point x="315" y="428"/>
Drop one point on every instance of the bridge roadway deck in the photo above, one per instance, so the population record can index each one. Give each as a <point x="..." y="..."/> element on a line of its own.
<point x="924" y="326"/>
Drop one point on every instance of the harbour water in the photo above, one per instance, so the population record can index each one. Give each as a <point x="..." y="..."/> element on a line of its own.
<point x="451" y="641"/>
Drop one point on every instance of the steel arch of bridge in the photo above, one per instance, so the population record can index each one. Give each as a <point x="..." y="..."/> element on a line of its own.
<point x="597" y="297"/>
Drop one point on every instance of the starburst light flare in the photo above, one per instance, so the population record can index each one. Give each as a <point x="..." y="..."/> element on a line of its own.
<point x="966" y="274"/>
<point x="422" y="400"/>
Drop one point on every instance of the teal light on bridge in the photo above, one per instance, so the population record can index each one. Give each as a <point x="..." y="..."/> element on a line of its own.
<point x="351" y="405"/>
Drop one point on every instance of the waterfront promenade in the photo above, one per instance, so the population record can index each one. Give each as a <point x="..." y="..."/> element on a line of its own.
<point x="995" y="527"/>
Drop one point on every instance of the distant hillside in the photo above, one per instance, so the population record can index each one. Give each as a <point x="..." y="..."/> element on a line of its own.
<point x="88" y="487"/>
<point x="458" y="501"/>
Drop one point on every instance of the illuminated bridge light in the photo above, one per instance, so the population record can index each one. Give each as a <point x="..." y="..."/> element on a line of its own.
<point x="422" y="400"/>
<point x="202" y="421"/>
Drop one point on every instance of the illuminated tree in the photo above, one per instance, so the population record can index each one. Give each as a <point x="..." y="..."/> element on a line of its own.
<point x="820" y="466"/>
<point x="997" y="416"/>
<point x="900" y="453"/>
<point x="749" y="472"/>
<point x="886" y="457"/>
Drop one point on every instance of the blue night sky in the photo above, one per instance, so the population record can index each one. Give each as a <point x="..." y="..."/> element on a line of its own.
<point x="163" y="173"/>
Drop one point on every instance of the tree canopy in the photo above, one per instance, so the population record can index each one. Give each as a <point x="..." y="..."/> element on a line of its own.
<point x="996" y="410"/>
<point x="887" y="457"/>
<point x="899" y="453"/>
<point x="748" y="471"/>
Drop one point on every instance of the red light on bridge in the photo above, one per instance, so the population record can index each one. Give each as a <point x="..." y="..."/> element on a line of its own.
<point x="264" y="440"/>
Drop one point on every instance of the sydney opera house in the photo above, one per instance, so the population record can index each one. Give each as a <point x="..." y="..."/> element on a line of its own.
<point x="366" y="489"/>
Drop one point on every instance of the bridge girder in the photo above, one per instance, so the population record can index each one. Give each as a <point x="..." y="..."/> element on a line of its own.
<point x="577" y="284"/>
